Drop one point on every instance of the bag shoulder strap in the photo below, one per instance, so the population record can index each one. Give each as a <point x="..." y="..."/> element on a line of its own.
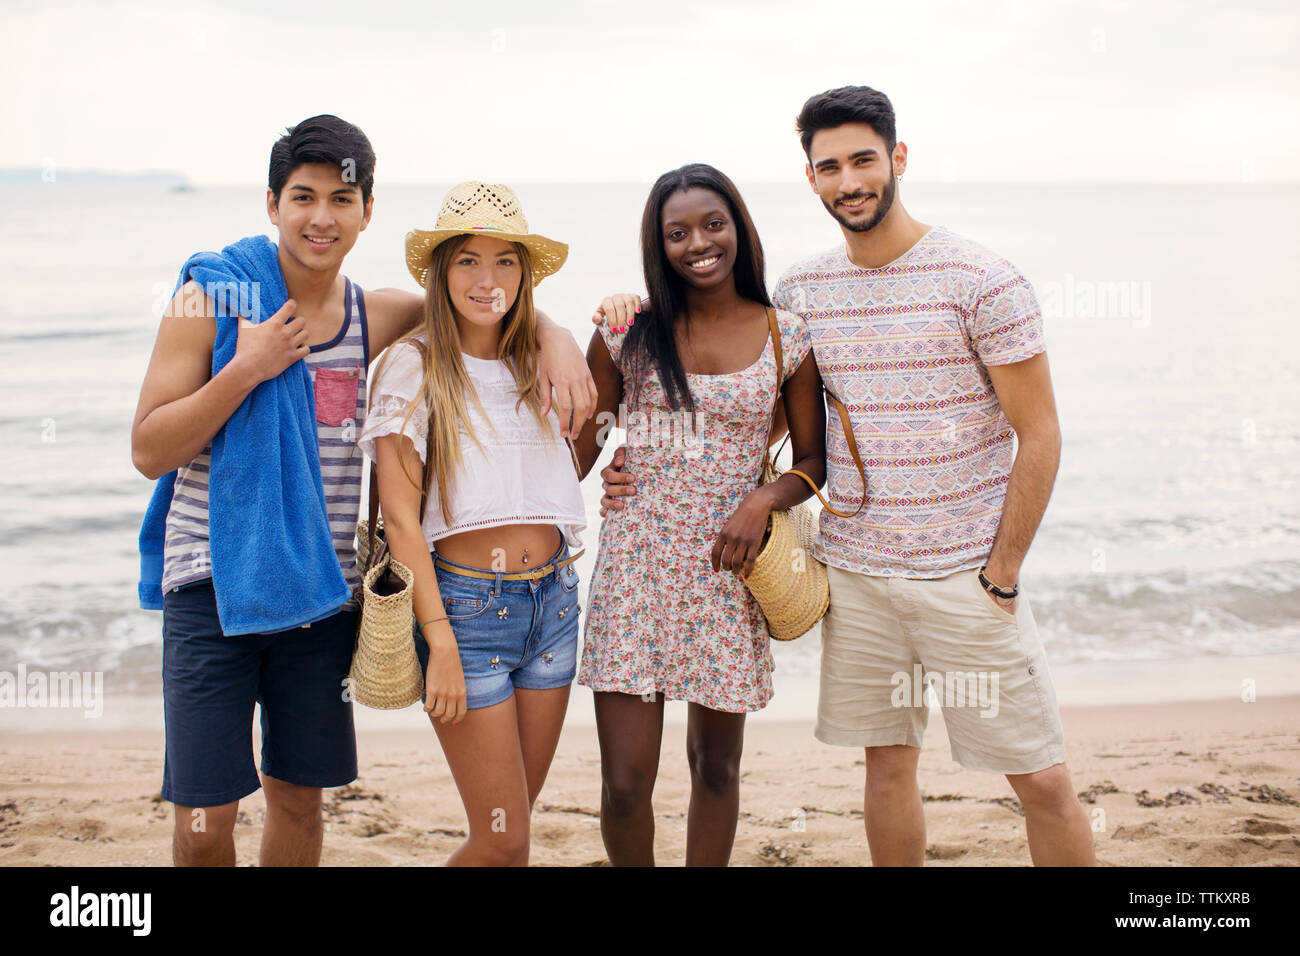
<point x="374" y="506"/>
<point x="374" y="486"/>
<point x="775" y="332"/>
<point x="853" y="450"/>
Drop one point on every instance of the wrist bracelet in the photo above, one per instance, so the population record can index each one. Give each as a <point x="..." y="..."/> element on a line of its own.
<point x="1004" y="593"/>
<point x="432" y="620"/>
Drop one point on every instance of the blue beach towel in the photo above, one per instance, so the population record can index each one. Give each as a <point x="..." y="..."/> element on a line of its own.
<point x="273" y="561"/>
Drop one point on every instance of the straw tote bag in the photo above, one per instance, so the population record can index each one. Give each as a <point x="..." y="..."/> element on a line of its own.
<point x="789" y="584"/>
<point x="385" y="672"/>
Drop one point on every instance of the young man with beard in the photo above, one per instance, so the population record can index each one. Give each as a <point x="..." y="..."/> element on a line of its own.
<point x="935" y="345"/>
<point x="247" y="546"/>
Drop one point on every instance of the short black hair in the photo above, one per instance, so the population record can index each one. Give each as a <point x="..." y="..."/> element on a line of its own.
<point x="848" y="104"/>
<point x="323" y="139"/>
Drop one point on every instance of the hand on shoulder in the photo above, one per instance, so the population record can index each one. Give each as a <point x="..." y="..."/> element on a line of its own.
<point x="618" y="311"/>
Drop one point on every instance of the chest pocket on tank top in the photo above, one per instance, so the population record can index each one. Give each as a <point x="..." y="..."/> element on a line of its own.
<point x="335" y="390"/>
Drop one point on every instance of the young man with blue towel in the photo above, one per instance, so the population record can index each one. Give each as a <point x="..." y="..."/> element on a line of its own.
<point x="248" y="418"/>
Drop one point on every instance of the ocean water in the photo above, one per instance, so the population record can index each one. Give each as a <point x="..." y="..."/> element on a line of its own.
<point x="1173" y="531"/>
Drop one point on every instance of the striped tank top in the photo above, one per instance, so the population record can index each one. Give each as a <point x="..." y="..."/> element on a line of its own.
<point x="338" y="372"/>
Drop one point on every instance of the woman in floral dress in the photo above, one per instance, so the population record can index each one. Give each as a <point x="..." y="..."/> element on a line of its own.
<point x="669" y="616"/>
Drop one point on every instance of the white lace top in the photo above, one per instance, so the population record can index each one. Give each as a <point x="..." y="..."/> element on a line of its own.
<point x="520" y="476"/>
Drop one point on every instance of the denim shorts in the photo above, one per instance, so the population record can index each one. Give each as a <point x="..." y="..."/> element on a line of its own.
<point x="510" y="633"/>
<point x="211" y="683"/>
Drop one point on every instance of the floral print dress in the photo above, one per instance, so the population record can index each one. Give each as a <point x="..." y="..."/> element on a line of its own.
<point x="659" y="618"/>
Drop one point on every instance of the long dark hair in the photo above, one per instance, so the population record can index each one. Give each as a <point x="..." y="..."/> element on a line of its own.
<point x="651" y="341"/>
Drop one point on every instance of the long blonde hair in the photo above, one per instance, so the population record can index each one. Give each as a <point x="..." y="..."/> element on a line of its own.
<point x="445" y="382"/>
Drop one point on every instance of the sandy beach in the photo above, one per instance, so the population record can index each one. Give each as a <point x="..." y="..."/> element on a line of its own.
<point x="1170" y="783"/>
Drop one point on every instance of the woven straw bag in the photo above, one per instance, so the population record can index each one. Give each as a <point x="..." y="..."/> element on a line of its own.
<point x="789" y="584"/>
<point x="385" y="672"/>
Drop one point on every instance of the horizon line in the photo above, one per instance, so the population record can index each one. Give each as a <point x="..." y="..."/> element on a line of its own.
<point x="183" y="179"/>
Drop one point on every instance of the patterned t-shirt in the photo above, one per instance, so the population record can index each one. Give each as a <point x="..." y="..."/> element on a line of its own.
<point x="905" y="348"/>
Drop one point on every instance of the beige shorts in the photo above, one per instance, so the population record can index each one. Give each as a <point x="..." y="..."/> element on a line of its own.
<point x="885" y="639"/>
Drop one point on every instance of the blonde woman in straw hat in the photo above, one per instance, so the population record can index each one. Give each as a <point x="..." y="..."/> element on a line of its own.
<point x="480" y="500"/>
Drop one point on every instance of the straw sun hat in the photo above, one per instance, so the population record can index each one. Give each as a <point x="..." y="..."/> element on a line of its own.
<point x="475" y="208"/>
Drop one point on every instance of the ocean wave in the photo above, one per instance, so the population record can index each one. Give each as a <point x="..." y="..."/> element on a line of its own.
<point x="1230" y="612"/>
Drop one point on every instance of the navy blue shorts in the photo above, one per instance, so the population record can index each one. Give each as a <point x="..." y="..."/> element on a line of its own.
<point x="211" y="682"/>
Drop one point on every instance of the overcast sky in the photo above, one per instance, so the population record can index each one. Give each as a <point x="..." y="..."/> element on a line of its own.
<point x="1035" y="90"/>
